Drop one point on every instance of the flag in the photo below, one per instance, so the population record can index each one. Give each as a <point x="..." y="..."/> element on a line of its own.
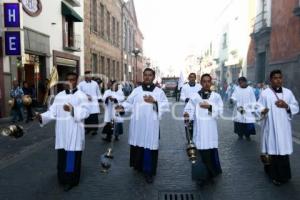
<point x="52" y="82"/>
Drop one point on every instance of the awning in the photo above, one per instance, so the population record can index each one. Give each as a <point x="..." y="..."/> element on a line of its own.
<point x="70" y="13"/>
<point x="66" y="62"/>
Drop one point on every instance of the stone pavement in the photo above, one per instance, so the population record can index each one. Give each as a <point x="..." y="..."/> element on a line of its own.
<point x="30" y="172"/>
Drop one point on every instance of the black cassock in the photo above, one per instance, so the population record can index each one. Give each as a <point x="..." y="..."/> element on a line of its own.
<point x="279" y="168"/>
<point x="68" y="167"/>
<point x="143" y="160"/>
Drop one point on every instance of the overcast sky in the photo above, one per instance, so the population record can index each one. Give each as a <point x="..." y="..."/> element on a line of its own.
<point x="174" y="29"/>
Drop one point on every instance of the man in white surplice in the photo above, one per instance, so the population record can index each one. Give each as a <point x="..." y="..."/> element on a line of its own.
<point x="112" y="97"/>
<point x="205" y="107"/>
<point x="279" y="105"/>
<point x="92" y="90"/>
<point x="70" y="108"/>
<point x="190" y="88"/>
<point x="147" y="104"/>
<point x="245" y="101"/>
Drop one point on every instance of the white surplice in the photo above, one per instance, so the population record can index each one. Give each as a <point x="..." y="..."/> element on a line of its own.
<point x="69" y="130"/>
<point x="205" y="130"/>
<point x="92" y="89"/>
<point x="244" y="97"/>
<point x="144" y="122"/>
<point x="276" y="127"/>
<point x="187" y="91"/>
<point x="110" y="113"/>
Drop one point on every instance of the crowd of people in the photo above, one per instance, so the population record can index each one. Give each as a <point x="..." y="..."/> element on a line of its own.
<point x="273" y="106"/>
<point x="76" y="112"/>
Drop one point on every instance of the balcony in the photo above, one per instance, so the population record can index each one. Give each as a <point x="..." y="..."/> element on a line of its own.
<point x="260" y="25"/>
<point x="73" y="43"/>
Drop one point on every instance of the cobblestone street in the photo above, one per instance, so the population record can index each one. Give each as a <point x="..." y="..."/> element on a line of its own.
<point x="28" y="169"/>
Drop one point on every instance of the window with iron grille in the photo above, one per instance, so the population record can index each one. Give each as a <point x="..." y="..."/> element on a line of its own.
<point x="118" y="34"/>
<point x="108" y="25"/>
<point x="114" y="30"/>
<point x="108" y="68"/>
<point x="102" y="16"/>
<point x="102" y="69"/>
<point x="94" y="62"/>
<point x="94" y="16"/>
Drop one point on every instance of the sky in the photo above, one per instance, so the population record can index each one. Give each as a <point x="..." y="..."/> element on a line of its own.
<point x="174" y="29"/>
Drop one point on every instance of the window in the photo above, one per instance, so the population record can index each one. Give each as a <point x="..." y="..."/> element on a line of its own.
<point x="94" y="16"/>
<point x="125" y="37"/>
<point x="108" y="25"/>
<point x="102" y="65"/>
<point x="114" y="70"/>
<point x="118" y="72"/>
<point x="118" y="34"/>
<point x="129" y="41"/>
<point x="102" y="19"/>
<point x="108" y="68"/>
<point x="94" y="63"/>
<point x="69" y="33"/>
<point x="114" y="30"/>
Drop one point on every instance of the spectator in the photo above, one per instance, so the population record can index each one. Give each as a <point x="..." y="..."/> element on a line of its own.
<point x="17" y="93"/>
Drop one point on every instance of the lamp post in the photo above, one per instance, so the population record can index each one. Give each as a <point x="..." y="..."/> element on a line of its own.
<point x="136" y="52"/>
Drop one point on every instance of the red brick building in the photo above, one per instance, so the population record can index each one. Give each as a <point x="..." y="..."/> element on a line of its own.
<point x="276" y="42"/>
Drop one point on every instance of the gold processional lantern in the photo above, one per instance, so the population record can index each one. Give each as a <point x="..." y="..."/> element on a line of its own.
<point x="15" y="131"/>
<point x="27" y="100"/>
<point x="11" y="102"/>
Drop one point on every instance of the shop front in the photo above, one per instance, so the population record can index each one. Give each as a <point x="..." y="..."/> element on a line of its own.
<point x="65" y="63"/>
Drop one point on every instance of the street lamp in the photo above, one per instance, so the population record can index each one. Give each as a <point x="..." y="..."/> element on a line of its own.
<point x="136" y="52"/>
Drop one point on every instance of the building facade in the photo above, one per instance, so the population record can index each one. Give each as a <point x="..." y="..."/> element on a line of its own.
<point x="52" y="36"/>
<point x="111" y="36"/>
<point x="132" y="44"/>
<point x="103" y="33"/>
<point x="276" y="42"/>
<point x="225" y="57"/>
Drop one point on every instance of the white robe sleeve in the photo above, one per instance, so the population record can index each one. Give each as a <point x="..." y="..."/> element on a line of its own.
<point x="99" y="96"/>
<point x="128" y="104"/>
<point x="82" y="111"/>
<point x="217" y="107"/>
<point x="234" y="95"/>
<point x="120" y="96"/>
<point x="163" y="104"/>
<point x="183" y="94"/>
<point x="190" y="109"/>
<point x="50" y="115"/>
<point x="105" y="95"/>
<point x="293" y="106"/>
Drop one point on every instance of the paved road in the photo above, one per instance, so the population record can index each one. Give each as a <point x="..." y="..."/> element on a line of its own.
<point x="27" y="169"/>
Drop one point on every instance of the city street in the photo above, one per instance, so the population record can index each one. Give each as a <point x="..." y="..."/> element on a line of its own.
<point x="28" y="169"/>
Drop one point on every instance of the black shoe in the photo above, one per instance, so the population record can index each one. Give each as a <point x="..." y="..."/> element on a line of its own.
<point x="94" y="133"/>
<point x="117" y="138"/>
<point x="277" y="183"/>
<point x="248" y="138"/>
<point x="149" y="179"/>
<point x="200" y="183"/>
<point x="240" y="137"/>
<point x="106" y="139"/>
<point x="67" y="188"/>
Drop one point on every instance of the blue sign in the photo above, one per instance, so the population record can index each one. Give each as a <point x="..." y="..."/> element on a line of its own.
<point x="11" y="15"/>
<point x="12" y="43"/>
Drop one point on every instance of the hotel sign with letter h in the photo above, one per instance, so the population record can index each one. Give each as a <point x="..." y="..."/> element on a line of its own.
<point x="12" y="24"/>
